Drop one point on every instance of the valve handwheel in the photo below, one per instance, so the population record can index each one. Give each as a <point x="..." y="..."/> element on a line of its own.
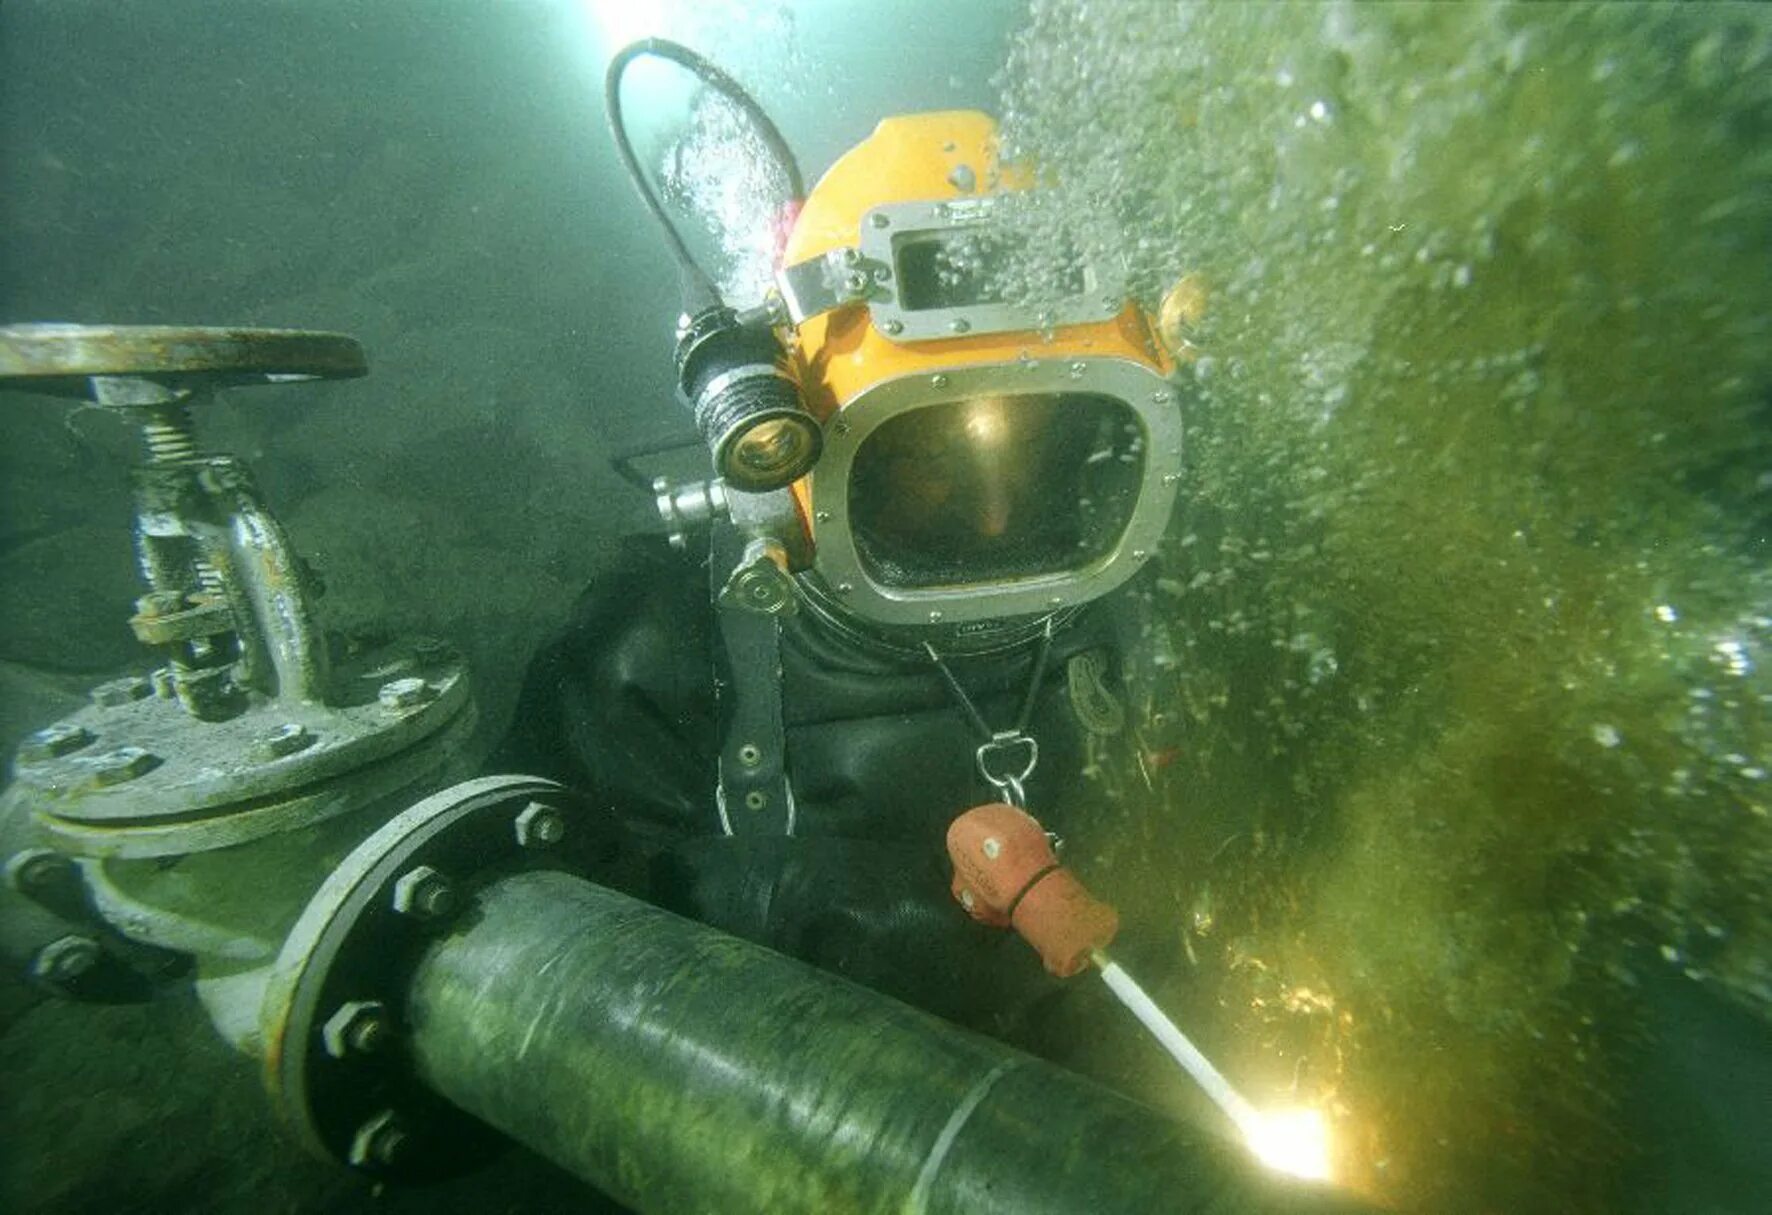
<point x="59" y="359"/>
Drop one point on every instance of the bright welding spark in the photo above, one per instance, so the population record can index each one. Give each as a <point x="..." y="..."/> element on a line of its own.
<point x="1295" y="1142"/>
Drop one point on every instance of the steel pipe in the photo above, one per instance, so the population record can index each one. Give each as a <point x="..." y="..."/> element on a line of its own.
<point x="679" y="1069"/>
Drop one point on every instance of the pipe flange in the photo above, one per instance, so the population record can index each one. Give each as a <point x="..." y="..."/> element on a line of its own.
<point x="332" y="1018"/>
<point x="143" y="762"/>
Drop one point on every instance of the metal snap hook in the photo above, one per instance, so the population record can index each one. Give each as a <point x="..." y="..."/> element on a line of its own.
<point x="1006" y="761"/>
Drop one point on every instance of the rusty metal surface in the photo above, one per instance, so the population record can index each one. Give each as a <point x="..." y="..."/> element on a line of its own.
<point x="147" y="762"/>
<point x="435" y="759"/>
<point x="48" y="356"/>
<point x="274" y="580"/>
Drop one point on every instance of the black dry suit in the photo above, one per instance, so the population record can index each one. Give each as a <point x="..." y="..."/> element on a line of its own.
<point x="879" y="755"/>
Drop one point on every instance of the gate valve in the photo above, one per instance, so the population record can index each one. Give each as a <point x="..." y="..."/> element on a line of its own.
<point x="1006" y="875"/>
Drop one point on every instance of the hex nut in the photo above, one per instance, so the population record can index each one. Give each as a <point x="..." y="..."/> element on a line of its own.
<point x="65" y="959"/>
<point x="33" y="870"/>
<point x="53" y="742"/>
<point x="423" y="893"/>
<point x="123" y="764"/>
<point x="540" y="826"/>
<point x="359" y="1027"/>
<point x="406" y="693"/>
<point x="379" y="1141"/>
<point x="159" y="603"/>
<point x="127" y="690"/>
<point x="201" y="616"/>
<point x="286" y="739"/>
<point x="208" y="693"/>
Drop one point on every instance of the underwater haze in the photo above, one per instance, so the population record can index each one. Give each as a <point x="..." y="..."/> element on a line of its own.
<point x="1456" y="816"/>
<point x="1469" y="590"/>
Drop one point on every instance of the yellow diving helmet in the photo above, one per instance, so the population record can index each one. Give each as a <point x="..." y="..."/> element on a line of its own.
<point x="982" y="459"/>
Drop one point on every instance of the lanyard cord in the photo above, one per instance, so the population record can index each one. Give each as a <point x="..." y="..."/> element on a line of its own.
<point x="1000" y="743"/>
<point x="1027" y="701"/>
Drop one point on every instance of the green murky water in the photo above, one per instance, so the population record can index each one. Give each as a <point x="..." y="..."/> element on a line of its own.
<point x="1472" y="721"/>
<point x="1465" y="753"/>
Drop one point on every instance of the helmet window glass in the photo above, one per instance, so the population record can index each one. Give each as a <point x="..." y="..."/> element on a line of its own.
<point x="995" y="488"/>
<point x="967" y="267"/>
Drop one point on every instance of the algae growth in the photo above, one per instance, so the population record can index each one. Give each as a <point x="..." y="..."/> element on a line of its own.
<point x="1469" y="731"/>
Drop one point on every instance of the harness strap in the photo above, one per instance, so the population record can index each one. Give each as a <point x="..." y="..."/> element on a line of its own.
<point x="753" y="795"/>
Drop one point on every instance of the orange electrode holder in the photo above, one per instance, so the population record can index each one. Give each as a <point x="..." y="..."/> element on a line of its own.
<point x="1006" y="875"/>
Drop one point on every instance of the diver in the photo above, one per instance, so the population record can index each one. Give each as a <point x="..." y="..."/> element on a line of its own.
<point x="912" y="595"/>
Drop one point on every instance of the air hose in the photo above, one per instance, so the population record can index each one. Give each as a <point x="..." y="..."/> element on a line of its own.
<point x="699" y="291"/>
<point x="733" y="375"/>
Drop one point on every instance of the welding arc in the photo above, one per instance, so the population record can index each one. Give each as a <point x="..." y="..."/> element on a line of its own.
<point x="1166" y="1032"/>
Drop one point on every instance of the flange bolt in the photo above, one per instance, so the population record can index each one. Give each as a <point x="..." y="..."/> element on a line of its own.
<point x="123" y="764"/>
<point x="53" y="742"/>
<point x="540" y="826"/>
<point x="359" y="1027"/>
<point x="34" y="870"/>
<point x="123" y="691"/>
<point x="379" y="1141"/>
<point x="423" y="893"/>
<point x="430" y="649"/>
<point x="65" y="959"/>
<point x="404" y="693"/>
<point x="286" y="739"/>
